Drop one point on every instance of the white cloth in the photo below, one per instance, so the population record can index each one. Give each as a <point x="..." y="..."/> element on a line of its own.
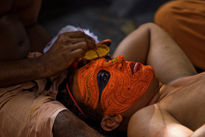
<point x="70" y="28"/>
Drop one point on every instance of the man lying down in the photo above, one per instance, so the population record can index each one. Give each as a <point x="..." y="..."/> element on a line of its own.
<point x="164" y="98"/>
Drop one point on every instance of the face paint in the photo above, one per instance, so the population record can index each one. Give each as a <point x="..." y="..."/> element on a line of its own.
<point x="126" y="83"/>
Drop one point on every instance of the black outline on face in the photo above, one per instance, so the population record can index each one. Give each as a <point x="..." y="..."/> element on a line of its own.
<point x="103" y="77"/>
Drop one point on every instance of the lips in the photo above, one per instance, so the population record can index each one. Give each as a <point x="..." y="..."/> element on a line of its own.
<point x="136" y="67"/>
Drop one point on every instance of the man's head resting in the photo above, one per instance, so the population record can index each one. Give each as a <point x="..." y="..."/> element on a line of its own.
<point x="114" y="87"/>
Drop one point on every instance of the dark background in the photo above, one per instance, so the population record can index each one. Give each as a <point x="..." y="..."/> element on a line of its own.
<point x="112" y="19"/>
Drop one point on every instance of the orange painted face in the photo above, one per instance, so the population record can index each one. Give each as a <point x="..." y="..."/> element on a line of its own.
<point x="115" y="85"/>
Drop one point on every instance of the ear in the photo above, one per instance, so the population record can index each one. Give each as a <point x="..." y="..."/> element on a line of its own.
<point x="111" y="122"/>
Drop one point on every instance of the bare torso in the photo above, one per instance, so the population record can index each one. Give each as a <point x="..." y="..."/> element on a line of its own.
<point x="19" y="31"/>
<point x="178" y="112"/>
<point x="14" y="42"/>
<point x="184" y="100"/>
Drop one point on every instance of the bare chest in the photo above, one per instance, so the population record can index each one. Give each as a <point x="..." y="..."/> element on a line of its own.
<point x="186" y="101"/>
<point x="14" y="43"/>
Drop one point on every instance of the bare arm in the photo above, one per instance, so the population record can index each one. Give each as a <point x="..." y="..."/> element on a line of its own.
<point x="68" y="47"/>
<point x="151" y="45"/>
<point x="15" y="72"/>
<point x="68" y="125"/>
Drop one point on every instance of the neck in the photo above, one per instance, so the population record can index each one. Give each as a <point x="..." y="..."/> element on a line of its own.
<point x="156" y="95"/>
<point x="153" y="92"/>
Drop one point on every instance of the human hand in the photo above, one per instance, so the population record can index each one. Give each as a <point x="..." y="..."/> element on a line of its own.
<point x="68" y="47"/>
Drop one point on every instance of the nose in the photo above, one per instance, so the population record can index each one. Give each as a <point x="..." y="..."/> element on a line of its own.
<point x="132" y="65"/>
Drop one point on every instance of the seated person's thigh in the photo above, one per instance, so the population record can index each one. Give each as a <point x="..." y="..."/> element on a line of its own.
<point x="24" y="114"/>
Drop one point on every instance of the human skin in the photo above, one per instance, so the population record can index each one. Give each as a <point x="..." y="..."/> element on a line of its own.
<point x="118" y="66"/>
<point x="16" y="68"/>
<point x="15" y="44"/>
<point x="26" y="11"/>
<point x="176" y="109"/>
<point x="18" y="21"/>
<point x="177" y="112"/>
<point x="20" y="34"/>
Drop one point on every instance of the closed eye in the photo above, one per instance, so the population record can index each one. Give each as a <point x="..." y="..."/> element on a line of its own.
<point x="102" y="79"/>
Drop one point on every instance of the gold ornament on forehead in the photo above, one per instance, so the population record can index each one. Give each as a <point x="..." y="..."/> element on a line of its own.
<point x="101" y="50"/>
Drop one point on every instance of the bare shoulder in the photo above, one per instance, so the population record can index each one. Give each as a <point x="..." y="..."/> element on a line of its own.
<point x="154" y="121"/>
<point x="187" y="80"/>
<point x="138" y="124"/>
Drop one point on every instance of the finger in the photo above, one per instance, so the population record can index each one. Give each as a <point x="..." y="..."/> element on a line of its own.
<point x="66" y="36"/>
<point x="80" y="45"/>
<point x="64" y="39"/>
<point x="77" y="40"/>
<point x="89" y="37"/>
<point x="75" y="34"/>
<point x="69" y="41"/>
<point x="71" y="56"/>
<point x="75" y="37"/>
<point x="80" y="34"/>
<point x="78" y="53"/>
<point x="91" y="44"/>
<point x="73" y="41"/>
<point x="90" y="41"/>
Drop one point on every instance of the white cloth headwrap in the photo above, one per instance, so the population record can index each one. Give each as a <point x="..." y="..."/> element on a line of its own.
<point x="70" y="28"/>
